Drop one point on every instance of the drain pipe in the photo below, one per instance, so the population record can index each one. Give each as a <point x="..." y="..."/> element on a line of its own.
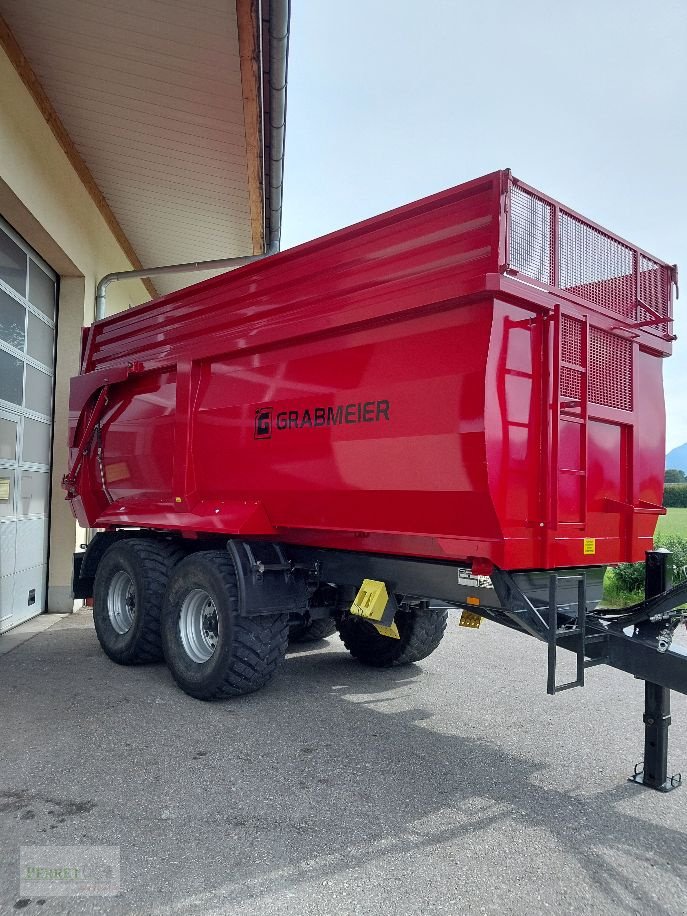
<point x="220" y="264"/>
<point x="279" y="18"/>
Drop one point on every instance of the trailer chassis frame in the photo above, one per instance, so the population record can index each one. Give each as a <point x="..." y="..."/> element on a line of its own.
<point x="553" y="606"/>
<point x="636" y="640"/>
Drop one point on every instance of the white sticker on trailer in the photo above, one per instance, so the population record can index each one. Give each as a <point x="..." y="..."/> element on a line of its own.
<point x="466" y="577"/>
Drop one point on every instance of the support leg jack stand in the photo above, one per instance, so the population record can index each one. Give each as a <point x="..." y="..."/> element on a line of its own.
<point x="653" y="772"/>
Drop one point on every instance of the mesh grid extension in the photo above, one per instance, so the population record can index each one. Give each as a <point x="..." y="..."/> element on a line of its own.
<point x="654" y="287"/>
<point x="595" y="266"/>
<point x="600" y="269"/>
<point x="531" y="251"/>
<point x="592" y="264"/>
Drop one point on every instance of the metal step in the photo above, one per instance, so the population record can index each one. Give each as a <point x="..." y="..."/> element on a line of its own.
<point x="578" y="632"/>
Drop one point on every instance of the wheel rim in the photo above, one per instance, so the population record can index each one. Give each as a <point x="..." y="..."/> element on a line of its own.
<point x="121" y="602"/>
<point x="198" y="625"/>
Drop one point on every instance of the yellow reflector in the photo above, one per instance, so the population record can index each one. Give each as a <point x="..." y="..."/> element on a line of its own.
<point x="472" y="600"/>
<point x="468" y="619"/>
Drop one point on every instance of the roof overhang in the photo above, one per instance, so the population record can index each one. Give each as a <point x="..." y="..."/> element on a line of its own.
<point x="173" y="115"/>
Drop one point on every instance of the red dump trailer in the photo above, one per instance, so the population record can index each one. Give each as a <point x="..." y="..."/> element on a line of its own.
<point x="459" y="401"/>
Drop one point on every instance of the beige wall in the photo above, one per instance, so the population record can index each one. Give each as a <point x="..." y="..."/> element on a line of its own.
<point x="42" y="197"/>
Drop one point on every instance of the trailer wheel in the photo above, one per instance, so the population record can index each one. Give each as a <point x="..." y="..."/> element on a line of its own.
<point x="311" y="630"/>
<point x="211" y="650"/>
<point x="420" y="630"/>
<point x="129" y="586"/>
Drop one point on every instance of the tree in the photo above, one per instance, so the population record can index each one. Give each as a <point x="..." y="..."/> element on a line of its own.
<point x="675" y="476"/>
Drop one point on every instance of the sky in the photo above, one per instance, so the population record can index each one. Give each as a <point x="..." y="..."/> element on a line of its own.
<point x="392" y="100"/>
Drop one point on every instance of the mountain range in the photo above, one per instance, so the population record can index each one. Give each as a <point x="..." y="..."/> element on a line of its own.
<point x="677" y="458"/>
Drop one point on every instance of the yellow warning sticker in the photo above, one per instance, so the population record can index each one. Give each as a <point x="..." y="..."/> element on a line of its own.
<point x="589" y="546"/>
<point x="468" y="619"/>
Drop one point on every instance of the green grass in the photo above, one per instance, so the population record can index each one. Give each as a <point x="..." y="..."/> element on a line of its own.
<point x="675" y="522"/>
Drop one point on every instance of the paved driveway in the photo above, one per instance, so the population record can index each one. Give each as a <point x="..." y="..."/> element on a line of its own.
<point x="455" y="786"/>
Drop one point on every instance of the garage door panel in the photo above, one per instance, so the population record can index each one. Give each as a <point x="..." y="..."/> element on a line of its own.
<point x="8" y="437"/>
<point x="34" y="493"/>
<point x="29" y="586"/>
<point x="6" y="602"/>
<point x="8" y="480"/>
<point x="8" y="535"/>
<point x="41" y="341"/>
<point x="36" y="447"/>
<point x="32" y="543"/>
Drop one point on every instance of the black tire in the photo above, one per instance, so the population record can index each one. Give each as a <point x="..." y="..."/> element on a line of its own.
<point x="246" y="651"/>
<point x="312" y="630"/>
<point x="146" y="565"/>
<point x="420" y="630"/>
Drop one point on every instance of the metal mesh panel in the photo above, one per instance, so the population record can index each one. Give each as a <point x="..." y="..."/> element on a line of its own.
<point x="571" y="340"/>
<point x="571" y="383"/>
<point x="571" y="352"/>
<point x="531" y="251"/>
<point x="595" y="266"/>
<point x="610" y="370"/>
<point x="550" y="245"/>
<point x="654" y="287"/>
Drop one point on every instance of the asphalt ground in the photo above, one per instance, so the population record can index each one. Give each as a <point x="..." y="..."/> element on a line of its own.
<point x="453" y="786"/>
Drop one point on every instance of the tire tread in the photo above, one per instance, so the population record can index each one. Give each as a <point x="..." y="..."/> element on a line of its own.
<point x="258" y="644"/>
<point x="156" y="560"/>
<point x="419" y="638"/>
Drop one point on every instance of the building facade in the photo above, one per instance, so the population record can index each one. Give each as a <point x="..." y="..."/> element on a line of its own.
<point x="158" y="151"/>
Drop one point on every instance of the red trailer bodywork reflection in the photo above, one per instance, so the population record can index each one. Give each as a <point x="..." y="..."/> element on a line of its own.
<point x="476" y="376"/>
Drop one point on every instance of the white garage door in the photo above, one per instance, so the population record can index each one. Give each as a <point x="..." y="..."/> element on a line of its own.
<point x="28" y="295"/>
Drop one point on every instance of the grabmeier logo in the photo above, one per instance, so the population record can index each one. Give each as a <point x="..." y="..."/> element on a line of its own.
<point x="263" y="423"/>
<point x="267" y="422"/>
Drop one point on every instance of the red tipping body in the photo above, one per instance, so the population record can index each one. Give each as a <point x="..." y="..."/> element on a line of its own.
<point x="475" y="376"/>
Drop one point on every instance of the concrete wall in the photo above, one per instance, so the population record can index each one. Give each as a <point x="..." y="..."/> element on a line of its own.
<point x="42" y="197"/>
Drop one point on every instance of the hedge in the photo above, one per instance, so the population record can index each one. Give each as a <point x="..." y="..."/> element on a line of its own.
<point x="675" y="496"/>
<point x="629" y="577"/>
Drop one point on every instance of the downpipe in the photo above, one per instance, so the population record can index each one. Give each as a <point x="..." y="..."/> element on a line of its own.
<point x="279" y="20"/>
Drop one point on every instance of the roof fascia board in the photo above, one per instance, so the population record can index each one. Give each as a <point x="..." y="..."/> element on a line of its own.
<point x="248" y="21"/>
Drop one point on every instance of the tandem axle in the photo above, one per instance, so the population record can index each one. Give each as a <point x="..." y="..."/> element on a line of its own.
<point x="266" y="588"/>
